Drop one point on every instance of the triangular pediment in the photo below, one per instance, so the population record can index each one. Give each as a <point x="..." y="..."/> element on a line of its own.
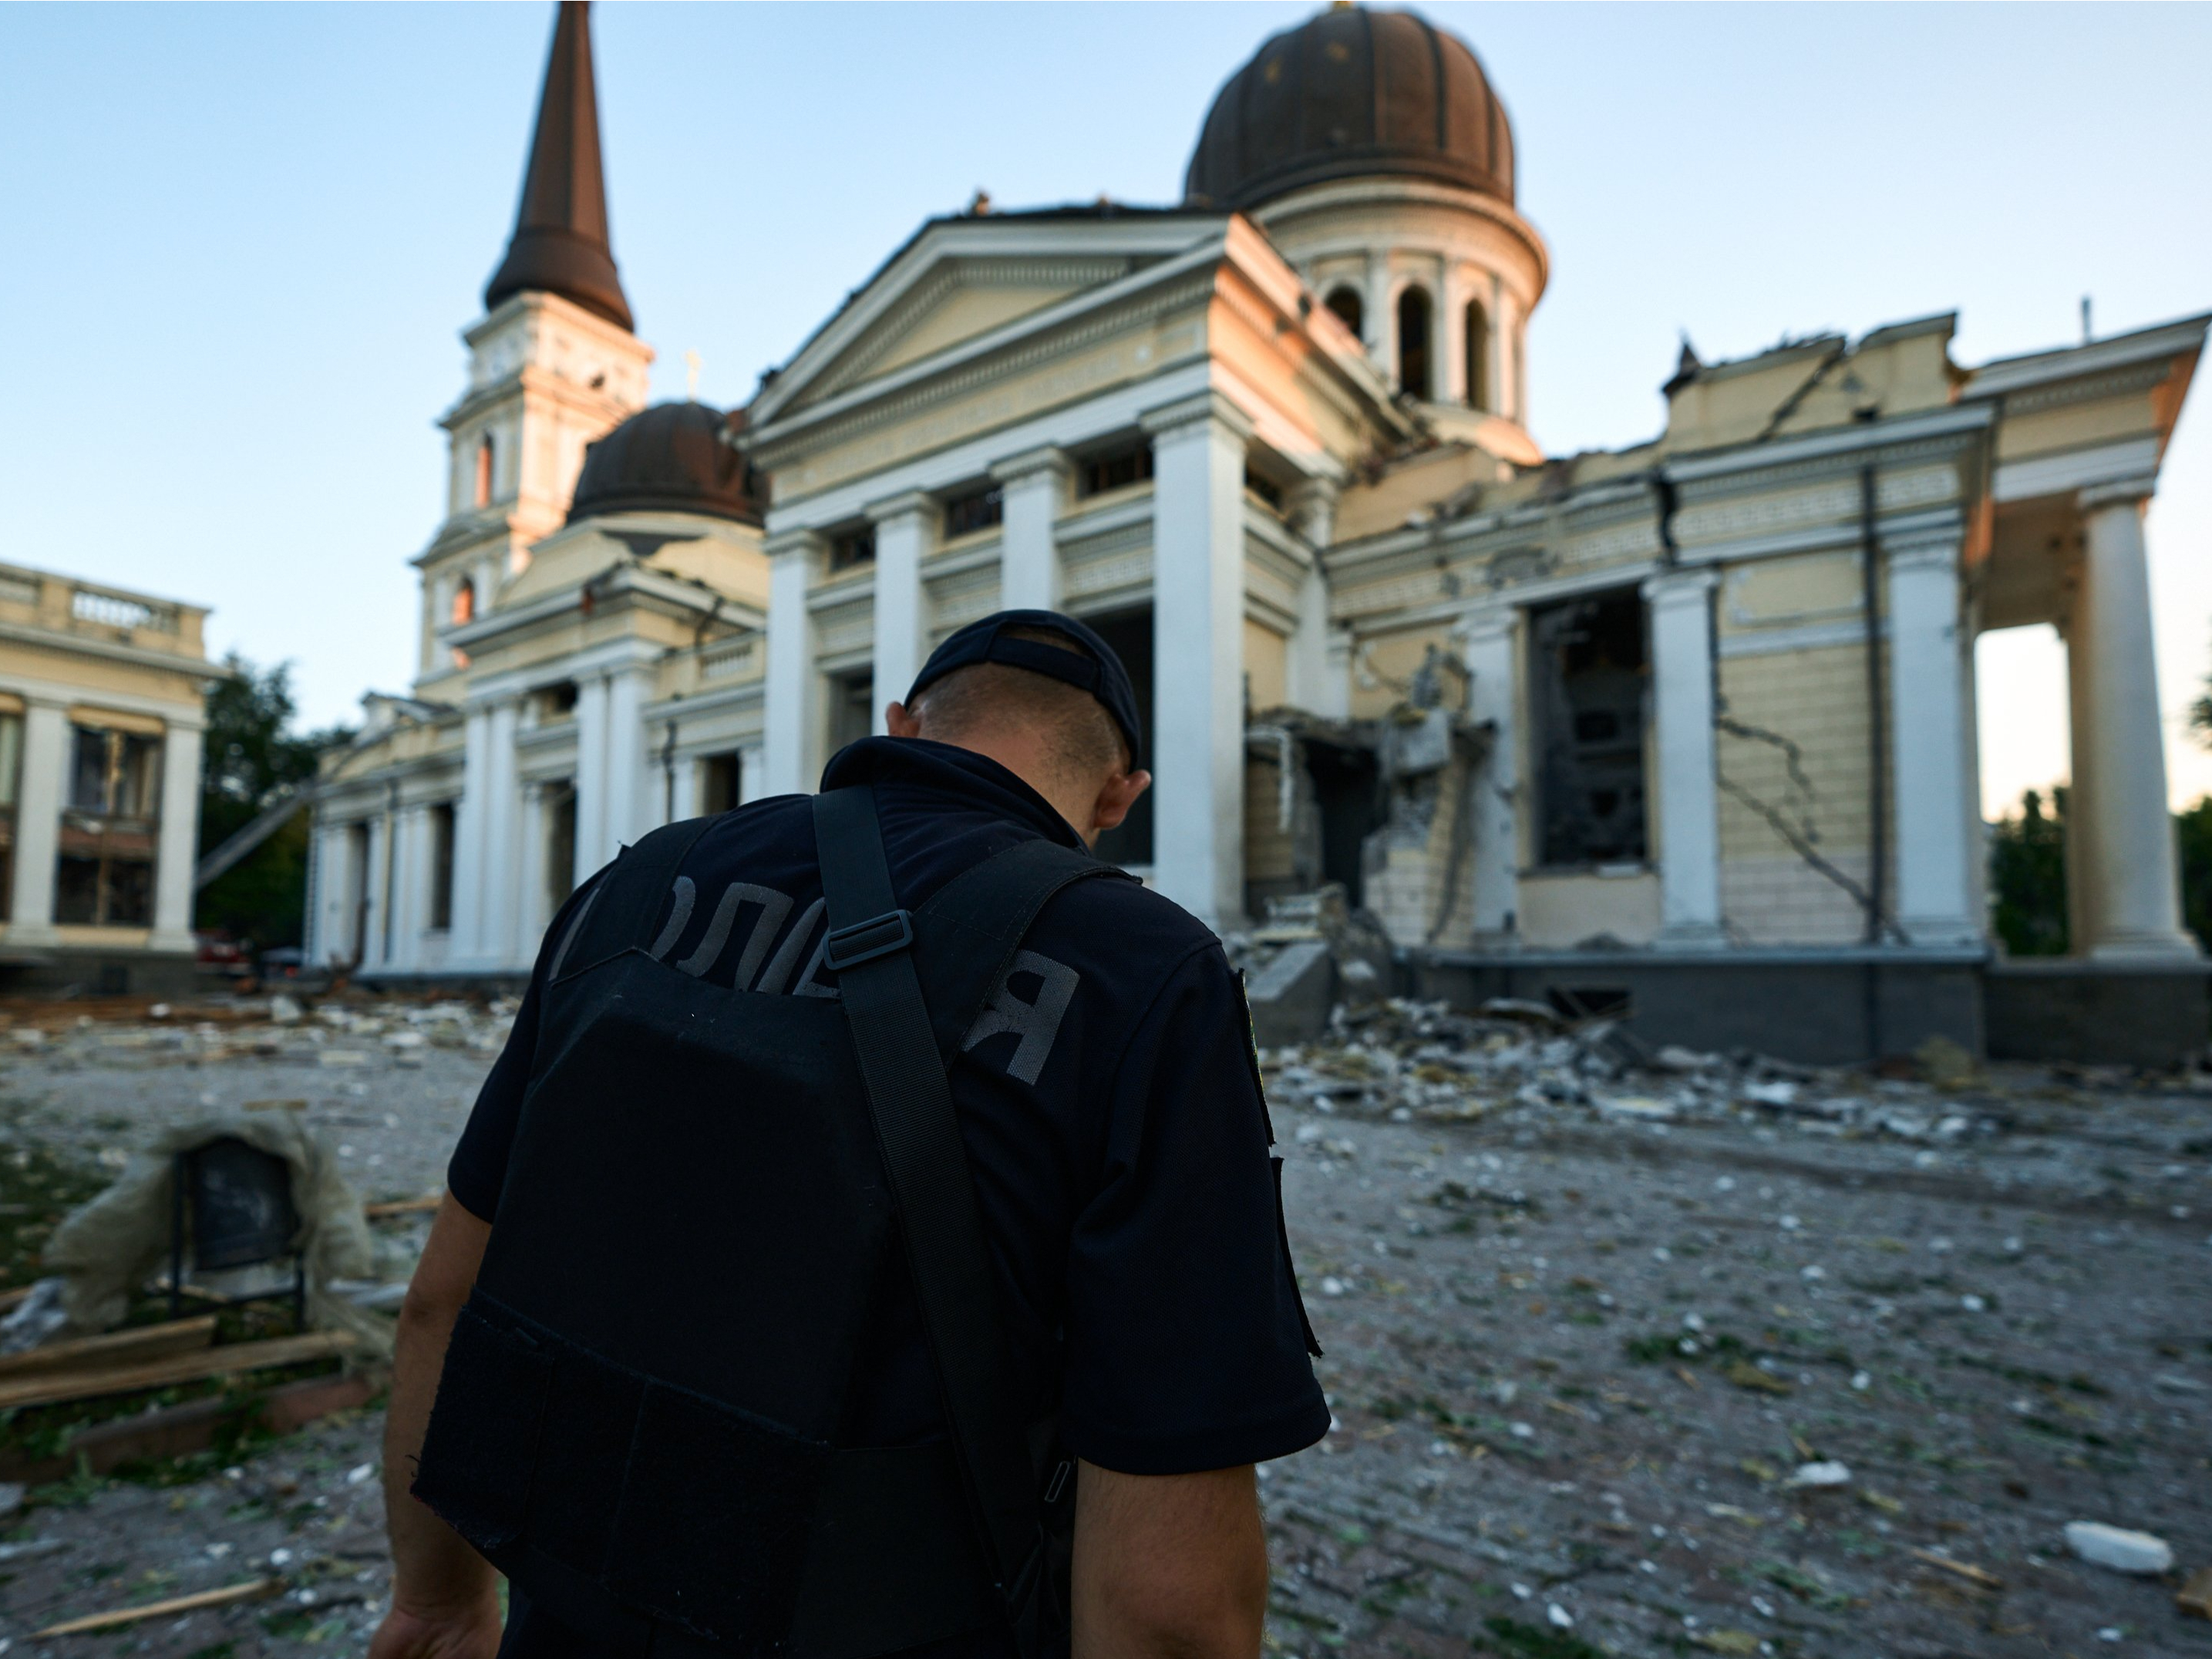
<point x="957" y="300"/>
<point x="962" y="284"/>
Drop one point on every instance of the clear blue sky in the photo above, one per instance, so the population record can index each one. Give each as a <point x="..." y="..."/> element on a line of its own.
<point x="240" y="240"/>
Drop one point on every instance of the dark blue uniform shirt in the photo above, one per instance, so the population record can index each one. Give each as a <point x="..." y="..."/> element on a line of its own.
<point x="1110" y="1105"/>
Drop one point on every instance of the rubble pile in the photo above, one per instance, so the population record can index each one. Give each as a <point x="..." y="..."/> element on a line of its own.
<point x="1520" y="1062"/>
<point x="334" y="1033"/>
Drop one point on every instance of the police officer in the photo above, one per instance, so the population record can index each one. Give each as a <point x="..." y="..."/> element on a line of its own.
<point x="867" y="1242"/>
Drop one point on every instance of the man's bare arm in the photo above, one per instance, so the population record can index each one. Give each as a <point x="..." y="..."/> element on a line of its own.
<point x="1168" y="1567"/>
<point x="444" y="1596"/>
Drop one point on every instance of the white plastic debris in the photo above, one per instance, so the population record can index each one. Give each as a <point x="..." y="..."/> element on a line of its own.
<point x="1560" y="1618"/>
<point x="284" y="1010"/>
<point x="2116" y="1548"/>
<point x="11" y="1496"/>
<point x="1823" y="1475"/>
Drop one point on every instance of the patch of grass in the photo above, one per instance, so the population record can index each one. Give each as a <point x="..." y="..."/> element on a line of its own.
<point x="213" y="1650"/>
<point x="287" y="1622"/>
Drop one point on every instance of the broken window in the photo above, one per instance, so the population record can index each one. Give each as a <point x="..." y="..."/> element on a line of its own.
<point x="1264" y="488"/>
<point x="1478" y="354"/>
<point x="109" y="828"/>
<point x="975" y="509"/>
<point x="721" y="779"/>
<point x="441" y="864"/>
<point x="852" y="549"/>
<point x="1114" y="469"/>
<point x="1588" y="673"/>
<point x="852" y="707"/>
<point x="1414" y="343"/>
<point x="553" y="703"/>
<point x="1350" y="308"/>
<point x="484" y="471"/>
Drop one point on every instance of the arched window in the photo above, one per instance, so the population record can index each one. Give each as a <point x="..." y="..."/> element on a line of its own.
<point x="1350" y="308"/>
<point x="484" y="471"/>
<point x="1413" y="343"/>
<point x="464" y="601"/>
<point x="1478" y="356"/>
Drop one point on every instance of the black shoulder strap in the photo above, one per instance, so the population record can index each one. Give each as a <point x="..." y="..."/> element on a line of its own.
<point x="869" y="946"/>
<point x="620" y="911"/>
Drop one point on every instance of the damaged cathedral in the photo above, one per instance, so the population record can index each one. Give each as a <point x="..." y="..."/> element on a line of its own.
<point x="1683" y="733"/>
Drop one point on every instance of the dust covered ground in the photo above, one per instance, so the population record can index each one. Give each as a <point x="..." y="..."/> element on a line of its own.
<point x="1594" y="1318"/>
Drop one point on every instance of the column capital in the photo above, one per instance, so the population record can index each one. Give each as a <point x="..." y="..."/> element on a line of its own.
<point x="795" y="543"/>
<point x="1046" y="461"/>
<point x="1488" y="623"/>
<point x="1928" y="553"/>
<point x="1681" y="585"/>
<point x="907" y="504"/>
<point x="2118" y="491"/>
<point x="1194" y="417"/>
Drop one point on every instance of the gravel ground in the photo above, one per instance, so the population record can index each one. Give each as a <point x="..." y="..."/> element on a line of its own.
<point x="1586" y="1326"/>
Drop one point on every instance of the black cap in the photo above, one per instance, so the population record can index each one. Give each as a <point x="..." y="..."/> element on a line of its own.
<point x="992" y="639"/>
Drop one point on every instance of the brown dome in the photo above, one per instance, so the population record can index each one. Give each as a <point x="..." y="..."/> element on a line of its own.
<point x="1352" y="92"/>
<point x="672" y="458"/>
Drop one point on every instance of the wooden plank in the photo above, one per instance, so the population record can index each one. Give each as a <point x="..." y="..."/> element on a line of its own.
<point x="114" y="1348"/>
<point x="402" y="1206"/>
<point x="1965" y="1569"/>
<point x="224" y="1361"/>
<point x="254" y="1590"/>
<point x="180" y="1429"/>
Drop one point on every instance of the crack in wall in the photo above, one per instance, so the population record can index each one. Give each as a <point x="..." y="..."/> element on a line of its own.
<point x="1803" y="837"/>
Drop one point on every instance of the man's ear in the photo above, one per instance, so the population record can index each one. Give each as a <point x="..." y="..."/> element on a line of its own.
<point x="1116" y="797"/>
<point x="899" y="722"/>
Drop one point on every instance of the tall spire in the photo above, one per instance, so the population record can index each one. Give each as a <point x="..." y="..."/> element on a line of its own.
<point x="560" y="244"/>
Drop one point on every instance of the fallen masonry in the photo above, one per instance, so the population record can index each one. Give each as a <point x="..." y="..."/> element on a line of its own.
<point x="1603" y="1327"/>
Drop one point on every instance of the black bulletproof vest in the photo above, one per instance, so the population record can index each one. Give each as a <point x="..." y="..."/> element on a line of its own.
<point x="638" y="1420"/>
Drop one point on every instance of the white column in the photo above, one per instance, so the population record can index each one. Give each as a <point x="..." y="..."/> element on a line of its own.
<point x="1488" y="638"/>
<point x="1198" y="633"/>
<point x="623" y="820"/>
<point x="1313" y="684"/>
<point x="465" y="939"/>
<point x="410" y="886"/>
<point x="502" y="945"/>
<point x="903" y="526"/>
<point x="1689" y="821"/>
<point x="1036" y="484"/>
<point x="1928" y="746"/>
<point x="1382" y="320"/>
<point x="789" y="687"/>
<point x="752" y="774"/>
<point x="593" y="785"/>
<point x="39" y="820"/>
<point x="2135" y="900"/>
<point x="1447" y="375"/>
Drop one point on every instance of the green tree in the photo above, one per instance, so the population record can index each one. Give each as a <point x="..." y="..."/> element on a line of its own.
<point x="252" y="757"/>
<point x="2027" y="877"/>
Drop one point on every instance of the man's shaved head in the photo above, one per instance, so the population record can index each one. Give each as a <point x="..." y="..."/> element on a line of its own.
<point x="1080" y="738"/>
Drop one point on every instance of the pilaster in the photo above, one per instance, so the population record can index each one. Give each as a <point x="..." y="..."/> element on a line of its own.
<point x="1490" y="645"/>
<point x="1198" y="624"/>
<point x="1928" y="744"/>
<point x="1681" y="603"/>
<point x="1317" y="675"/>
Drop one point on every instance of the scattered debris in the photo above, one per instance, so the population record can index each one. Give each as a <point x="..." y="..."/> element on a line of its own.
<point x="2196" y="1595"/>
<point x="2123" y="1551"/>
<point x="1965" y="1569"/>
<point x="1821" y="1475"/>
<point x="230" y="1360"/>
<point x="255" y="1591"/>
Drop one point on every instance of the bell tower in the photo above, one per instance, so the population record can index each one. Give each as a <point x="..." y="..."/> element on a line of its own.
<point x="553" y="364"/>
